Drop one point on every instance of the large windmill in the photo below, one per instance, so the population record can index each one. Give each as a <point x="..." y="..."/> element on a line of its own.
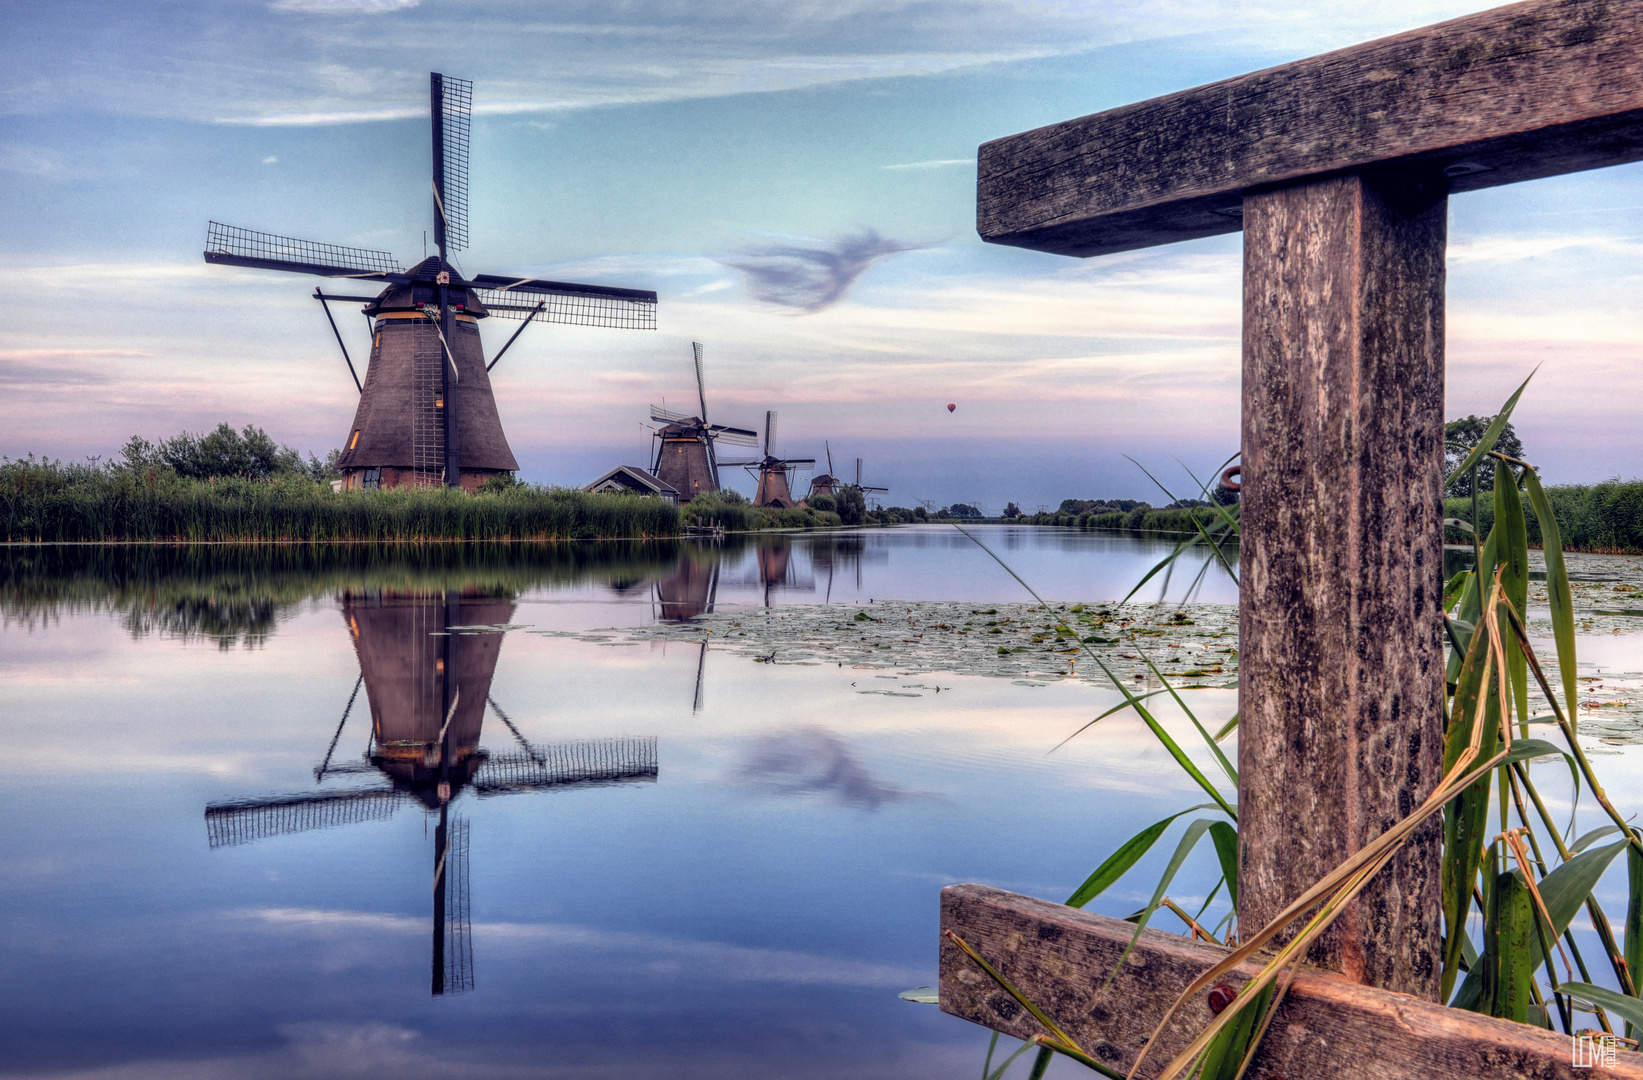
<point x="685" y="457"/>
<point x="426" y="413"/>
<point x="426" y="662"/>
<point x="773" y="472"/>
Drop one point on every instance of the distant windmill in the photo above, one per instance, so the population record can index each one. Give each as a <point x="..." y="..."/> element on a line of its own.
<point x="426" y="414"/>
<point x="773" y="472"/>
<point x="863" y="488"/>
<point x="826" y="483"/>
<point x="685" y="457"/>
<point x="426" y="662"/>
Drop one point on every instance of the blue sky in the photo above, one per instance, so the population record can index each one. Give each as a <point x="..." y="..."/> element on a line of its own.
<point x="719" y="159"/>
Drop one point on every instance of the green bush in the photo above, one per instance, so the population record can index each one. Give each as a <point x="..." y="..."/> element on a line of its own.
<point x="731" y="511"/>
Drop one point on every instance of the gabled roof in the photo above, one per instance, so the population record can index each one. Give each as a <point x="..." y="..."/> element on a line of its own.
<point x="637" y="479"/>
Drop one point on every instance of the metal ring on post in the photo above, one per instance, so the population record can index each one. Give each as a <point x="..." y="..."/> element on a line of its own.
<point x="1227" y="480"/>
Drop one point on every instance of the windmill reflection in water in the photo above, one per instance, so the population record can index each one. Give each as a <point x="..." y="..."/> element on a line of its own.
<point x="426" y="661"/>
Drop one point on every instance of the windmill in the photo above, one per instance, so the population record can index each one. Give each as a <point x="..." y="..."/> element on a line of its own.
<point x="685" y="457"/>
<point x="426" y="662"/>
<point x="773" y="472"/>
<point x="827" y="483"/>
<point x="861" y="487"/>
<point x="426" y="413"/>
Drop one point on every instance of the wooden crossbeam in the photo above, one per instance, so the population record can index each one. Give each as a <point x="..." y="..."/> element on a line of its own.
<point x="1327" y="1027"/>
<point x="1516" y="93"/>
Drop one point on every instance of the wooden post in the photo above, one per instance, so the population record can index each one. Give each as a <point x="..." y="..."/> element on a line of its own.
<point x="1340" y="627"/>
<point x="1338" y="169"/>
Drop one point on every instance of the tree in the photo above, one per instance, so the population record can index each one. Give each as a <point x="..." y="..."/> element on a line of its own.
<point x="852" y="505"/>
<point x="1459" y="437"/>
<point x="963" y="510"/>
<point x="1223" y="495"/>
<point x="1011" y="510"/>
<point x="251" y="454"/>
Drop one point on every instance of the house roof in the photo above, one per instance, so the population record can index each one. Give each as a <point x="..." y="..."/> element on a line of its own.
<point x="631" y="476"/>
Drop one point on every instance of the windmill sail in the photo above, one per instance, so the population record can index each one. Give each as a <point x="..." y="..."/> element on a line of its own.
<point x="245" y="820"/>
<point x="451" y="102"/>
<point x="562" y="302"/>
<point x="234" y="246"/>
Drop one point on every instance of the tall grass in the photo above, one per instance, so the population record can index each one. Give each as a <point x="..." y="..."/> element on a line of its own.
<point x="43" y="501"/>
<point x="1141" y="519"/>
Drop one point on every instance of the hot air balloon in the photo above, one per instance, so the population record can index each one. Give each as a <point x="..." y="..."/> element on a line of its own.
<point x="951" y="406"/>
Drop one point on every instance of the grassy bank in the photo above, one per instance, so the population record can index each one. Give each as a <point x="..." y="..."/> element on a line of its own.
<point x="1141" y="519"/>
<point x="53" y="503"/>
<point x="1605" y="518"/>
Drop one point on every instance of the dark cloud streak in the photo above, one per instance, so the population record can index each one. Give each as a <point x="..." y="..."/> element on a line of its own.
<point x="812" y="277"/>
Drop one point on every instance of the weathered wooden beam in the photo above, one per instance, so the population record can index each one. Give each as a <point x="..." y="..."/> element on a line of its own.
<point x="1328" y="1027"/>
<point x="1515" y="93"/>
<point x="1340" y="624"/>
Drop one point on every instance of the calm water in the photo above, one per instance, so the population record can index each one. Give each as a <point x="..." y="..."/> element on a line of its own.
<point x="271" y="816"/>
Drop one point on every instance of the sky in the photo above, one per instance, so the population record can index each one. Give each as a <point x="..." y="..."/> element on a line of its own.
<point x="797" y="183"/>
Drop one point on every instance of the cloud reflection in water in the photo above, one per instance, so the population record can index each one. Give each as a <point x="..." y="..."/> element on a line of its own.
<point x="816" y="761"/>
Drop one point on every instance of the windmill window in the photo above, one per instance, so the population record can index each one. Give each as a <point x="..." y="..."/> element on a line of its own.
<point x="372" y="480"/>
<point x="355" y="440"/>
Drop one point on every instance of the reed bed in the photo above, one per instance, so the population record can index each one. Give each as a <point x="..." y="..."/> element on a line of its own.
<point x="46" y="502"/>
<point x="1602" y="518"/>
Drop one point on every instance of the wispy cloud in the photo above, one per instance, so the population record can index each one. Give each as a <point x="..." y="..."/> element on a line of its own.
<point x="940" y="163"/>
<point x="342" y="7"/>
<point x="654" y="954"/>
<point x="813" y="275"/>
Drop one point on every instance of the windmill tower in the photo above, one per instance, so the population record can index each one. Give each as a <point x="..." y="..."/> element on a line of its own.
<point x="426" y="412"/>
<point x="826" y="483"/>
<point x="773" y="472"/>
<point x="426" y="662"/>
<point x="685" y="457"/>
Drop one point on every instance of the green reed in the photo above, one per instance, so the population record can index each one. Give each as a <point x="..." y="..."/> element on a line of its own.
<point x="42" y="501"/>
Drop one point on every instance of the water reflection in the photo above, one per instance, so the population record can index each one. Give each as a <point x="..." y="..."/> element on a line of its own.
<point x="815" y="761"/>
<point x="239" y="596"/>
<point x="426" y="663"/>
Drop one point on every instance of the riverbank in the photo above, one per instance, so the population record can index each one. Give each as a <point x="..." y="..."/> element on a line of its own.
<point x="45" y="502"/>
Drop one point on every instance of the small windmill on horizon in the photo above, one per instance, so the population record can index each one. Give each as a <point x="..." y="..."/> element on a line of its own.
<point x="426" y="412"/>
<point x="772" y="472"/>
<point x="685" y="455"/>
<point x="864" y="488"/>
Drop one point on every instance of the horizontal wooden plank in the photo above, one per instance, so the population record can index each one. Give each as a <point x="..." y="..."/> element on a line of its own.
<point x="1328" y="1027"/>
<point x="1515" y="93"/>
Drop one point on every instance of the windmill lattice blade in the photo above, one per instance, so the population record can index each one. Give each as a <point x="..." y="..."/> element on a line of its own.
<point x="235" y="246"/>
<point x="735" y="436"/>
<point x="456" y="120"/>
<point x="667" y="416"/>
<point x="769" y="431"/>
<point x="459" y="951"/>
<point x="584" y="761"/>
<point x="572" y="305"/>
<point x="701" y="383"/>
<point x="241" y="822"/>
